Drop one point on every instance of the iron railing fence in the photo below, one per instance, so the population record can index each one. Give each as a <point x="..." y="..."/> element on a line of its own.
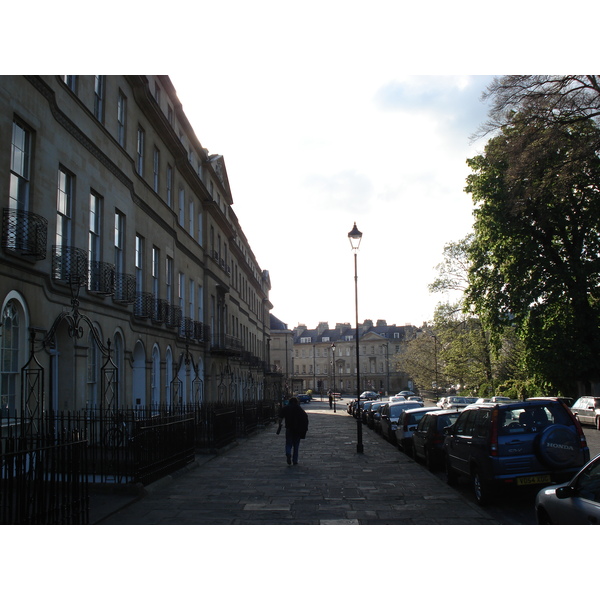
<point x="43" y="475"/>
<point x="48" y="461"/>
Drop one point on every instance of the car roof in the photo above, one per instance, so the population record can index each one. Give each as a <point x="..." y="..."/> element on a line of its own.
<point x="424" y="409"/>
<point x="402" y="402"/>
<point x="448" y="411"/>
<point x="511" y="405"/>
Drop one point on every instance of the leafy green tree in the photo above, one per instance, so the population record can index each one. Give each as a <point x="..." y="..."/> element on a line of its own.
<point x="535" y="255"/>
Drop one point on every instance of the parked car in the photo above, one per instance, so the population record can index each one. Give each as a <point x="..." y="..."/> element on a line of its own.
<point x="523" y="443"/>
<point x="496" y="400"/>
<point x="587" y="410"/>
<point x="568" y="401"/>
<point x="365" y="410"/>
<point x="355" y="407"/>
<point x="403" y="395"/>
<point x="456" y="401"/>
<point x="407" y="425"/>
<point x="303" y="398"/>
<point x="390" y="413"/>
<point x="428" y="438"/>
<point x="373" y="413"/>
<point x="415" y="398"/>
<point x="369" y="395"/>
<point x="577" y="503"/>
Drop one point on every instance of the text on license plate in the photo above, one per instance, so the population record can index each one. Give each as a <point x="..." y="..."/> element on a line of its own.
<point x="533" y="479"/>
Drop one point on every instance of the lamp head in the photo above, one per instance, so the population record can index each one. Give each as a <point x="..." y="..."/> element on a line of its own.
<point x="355" y="236"/>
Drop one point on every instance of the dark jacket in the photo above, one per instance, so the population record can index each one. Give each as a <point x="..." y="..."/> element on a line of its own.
<point x="296" y="420"/>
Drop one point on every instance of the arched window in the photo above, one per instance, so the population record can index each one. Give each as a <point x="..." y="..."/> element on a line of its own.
<point x="155" y="391"/>
<point x="119" y="360"/>
<point x="93" y="373"/>
<point x="169" y="377"/>
<point x="11" y="355"/>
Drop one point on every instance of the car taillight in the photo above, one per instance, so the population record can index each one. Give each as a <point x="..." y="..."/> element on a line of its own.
<point x="582" y="440"/>
<point x="494" y="436"/>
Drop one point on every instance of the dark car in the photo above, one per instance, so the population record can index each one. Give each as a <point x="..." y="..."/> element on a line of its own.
<point x="373" y="413"/>
<point x="303" y="398"/>
<point x="390" y="414"/>
<point x="523" y="444"/>
<point x="407" y="425"/>
<point x="428" y="438"/>
<point x="365" y="410"/>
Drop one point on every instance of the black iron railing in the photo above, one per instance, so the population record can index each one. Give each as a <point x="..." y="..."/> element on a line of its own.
<point x="101" y="278"/>
<point x="124" y="288"/>
<point x="47" y="462"/>
<point x="70" y="264"/>
<point x="24" y="233"/>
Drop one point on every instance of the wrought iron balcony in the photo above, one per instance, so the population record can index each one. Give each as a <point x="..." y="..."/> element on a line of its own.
<point x="24" y="233"/>
<point x="226" y="344"/>
<point x="101" y="278"/>
<point x="159" y="310"/>
<point x="70" y="264"/>
<point x="144" y="305"/>
<point x="186" y="327"/>
<point x="201" y="332"/>
<point x="173" y="316"/>
<point x="124" y="288"/>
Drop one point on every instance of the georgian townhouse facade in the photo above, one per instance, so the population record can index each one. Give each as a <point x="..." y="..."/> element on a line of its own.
<point x="325" y="359"/>
<point x="121" y="252"/>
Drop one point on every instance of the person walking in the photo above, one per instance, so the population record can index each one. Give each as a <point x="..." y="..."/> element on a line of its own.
<point x="296" y="426"/>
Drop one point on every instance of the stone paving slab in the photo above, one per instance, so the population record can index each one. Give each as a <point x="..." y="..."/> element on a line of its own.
<point x="251" y="484"/>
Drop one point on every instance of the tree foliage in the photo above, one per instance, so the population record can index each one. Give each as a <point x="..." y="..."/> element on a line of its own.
<point x="545" y="99"/>
<point x="535" y="255"/>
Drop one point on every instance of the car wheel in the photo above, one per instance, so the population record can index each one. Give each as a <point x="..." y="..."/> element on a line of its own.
<point x="481" y="488"/>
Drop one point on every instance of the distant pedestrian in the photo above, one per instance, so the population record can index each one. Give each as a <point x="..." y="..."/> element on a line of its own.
<point x="296" y="426"/>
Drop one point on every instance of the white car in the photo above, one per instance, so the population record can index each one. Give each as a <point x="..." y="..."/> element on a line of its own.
<point x="576" y="503"/>
<point x="457" y="401"/>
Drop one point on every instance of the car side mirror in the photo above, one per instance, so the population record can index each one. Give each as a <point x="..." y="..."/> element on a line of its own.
<point x="565" y="491"/>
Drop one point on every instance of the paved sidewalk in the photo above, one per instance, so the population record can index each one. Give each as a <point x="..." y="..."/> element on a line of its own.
<point x="251" y="484"/>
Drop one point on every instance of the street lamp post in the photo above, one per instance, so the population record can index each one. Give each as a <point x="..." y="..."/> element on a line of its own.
<point x="355" y="236"/>
<point x="436" y="364"/>
<point x="333" y="368"/>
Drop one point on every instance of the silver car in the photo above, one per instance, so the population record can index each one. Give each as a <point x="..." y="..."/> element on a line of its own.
<point x="577" y="503"/>
<point x="587" y="410"/>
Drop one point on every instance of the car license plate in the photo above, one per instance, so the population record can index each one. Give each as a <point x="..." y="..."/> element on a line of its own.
<point x="533" y="479"/>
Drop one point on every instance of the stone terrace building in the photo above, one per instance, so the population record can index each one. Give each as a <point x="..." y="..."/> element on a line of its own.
<point x="317" y="350"/>
<point x="118" y="231"/>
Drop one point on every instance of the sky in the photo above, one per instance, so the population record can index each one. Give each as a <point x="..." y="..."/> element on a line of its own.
<point x="308" y="153"/>
<point x="323" y="126"/>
